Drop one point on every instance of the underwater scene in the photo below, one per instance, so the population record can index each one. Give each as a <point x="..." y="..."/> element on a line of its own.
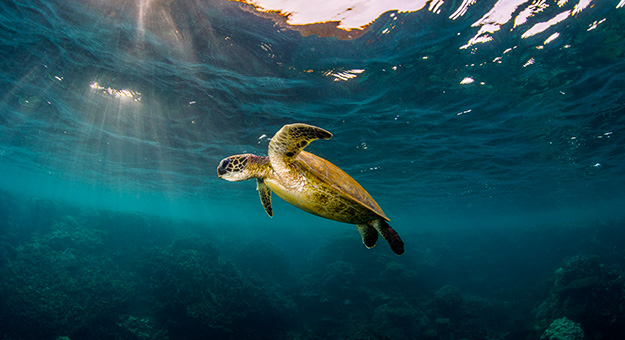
<point x="288" y="169"/>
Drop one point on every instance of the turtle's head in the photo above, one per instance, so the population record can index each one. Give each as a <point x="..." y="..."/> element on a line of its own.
<point x="235" y="168"/>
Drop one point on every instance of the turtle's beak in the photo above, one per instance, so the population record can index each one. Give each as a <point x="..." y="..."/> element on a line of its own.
<point x="221" y="172"/>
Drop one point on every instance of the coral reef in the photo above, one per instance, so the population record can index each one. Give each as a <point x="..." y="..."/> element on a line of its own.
<point x="201" y="296"/>
<point x="398" y="319"/>
<point x="92" y="274"/>
<point x="589" y="293"/>
<point x="454" y="314"/>
<point x="140" y="328"/>
<point x="563" y="329"/>
<point x="62" y="283"/>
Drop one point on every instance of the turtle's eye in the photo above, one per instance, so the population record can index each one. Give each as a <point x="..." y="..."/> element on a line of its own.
<point x="222" y="168"/>
<point x="224" y="163"/>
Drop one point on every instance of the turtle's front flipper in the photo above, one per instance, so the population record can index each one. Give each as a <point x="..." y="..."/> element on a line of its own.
<point x="369" y="235"/>
<point x="390" y="235"/>
<point x="291" y="139"/>
<point x="265" y="195"/>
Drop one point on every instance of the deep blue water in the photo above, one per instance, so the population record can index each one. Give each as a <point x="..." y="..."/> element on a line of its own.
<point x="498" y="162"/>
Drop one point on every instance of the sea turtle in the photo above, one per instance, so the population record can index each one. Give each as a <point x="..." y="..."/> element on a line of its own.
<point x="311" y="183"/>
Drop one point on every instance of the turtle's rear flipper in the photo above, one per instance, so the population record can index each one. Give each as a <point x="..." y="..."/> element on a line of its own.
<point x="369" y="235"/>
<point x="390" y="235"/>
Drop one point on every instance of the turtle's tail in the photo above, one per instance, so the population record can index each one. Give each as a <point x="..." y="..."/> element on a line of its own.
<point x="390" y="235"/>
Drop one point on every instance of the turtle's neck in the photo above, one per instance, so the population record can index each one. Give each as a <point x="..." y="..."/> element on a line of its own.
<point x="259" y="165"/>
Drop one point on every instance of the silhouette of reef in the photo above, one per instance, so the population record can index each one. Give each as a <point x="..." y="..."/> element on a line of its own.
<point x="79" y="273"/>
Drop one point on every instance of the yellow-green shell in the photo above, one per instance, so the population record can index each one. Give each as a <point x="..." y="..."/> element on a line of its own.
<point x="325" y="190"/>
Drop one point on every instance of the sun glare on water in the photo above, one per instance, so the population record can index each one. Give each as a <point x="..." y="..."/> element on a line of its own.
<point x="115" y="93"/>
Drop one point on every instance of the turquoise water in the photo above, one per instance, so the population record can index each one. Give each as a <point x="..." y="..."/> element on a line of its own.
<point x="494" y="145"/>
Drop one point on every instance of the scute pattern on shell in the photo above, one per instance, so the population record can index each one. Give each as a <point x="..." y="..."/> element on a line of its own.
<point x="337" y="191"/>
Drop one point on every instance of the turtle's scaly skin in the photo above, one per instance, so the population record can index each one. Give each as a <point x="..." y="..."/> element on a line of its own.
<point x="311" y="183"/>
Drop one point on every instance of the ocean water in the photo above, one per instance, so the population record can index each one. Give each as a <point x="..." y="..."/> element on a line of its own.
<point x="491" y="133"/>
